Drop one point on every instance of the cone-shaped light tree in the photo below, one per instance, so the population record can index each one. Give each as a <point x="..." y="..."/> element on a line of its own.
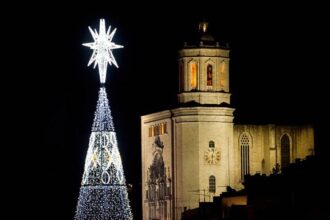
<point x="103" y="192"/>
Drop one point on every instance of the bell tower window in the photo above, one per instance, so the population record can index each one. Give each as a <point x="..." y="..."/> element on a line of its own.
<point x="193" y="75"/>
<point x="222" y="74"/>
<point x="209" y="74"/>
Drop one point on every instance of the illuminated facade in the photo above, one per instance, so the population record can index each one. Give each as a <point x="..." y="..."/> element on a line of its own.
<point x="193" y="152"/>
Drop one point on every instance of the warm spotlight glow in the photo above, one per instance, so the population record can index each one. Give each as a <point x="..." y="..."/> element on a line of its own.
<point x="222" y="82"/>
<point x="222" y="74"/>
<point x="193" y="75"/>
<point x="222" y="67"/>
<point x="203" y="26"/>
<point x="102" y="49"/>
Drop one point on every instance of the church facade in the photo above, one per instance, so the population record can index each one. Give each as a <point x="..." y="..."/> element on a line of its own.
<point x="193" y="152"/>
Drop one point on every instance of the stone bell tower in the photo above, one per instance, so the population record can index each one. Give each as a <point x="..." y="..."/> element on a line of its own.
<point x="204" y="70"/>
<point x="203" y="125"/>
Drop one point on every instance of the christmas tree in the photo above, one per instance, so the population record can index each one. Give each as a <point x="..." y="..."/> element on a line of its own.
<point x="103" y="192"/>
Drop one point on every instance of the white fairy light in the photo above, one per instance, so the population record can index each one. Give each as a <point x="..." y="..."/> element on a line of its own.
<point x="103" y="193"/>
<point x="101" y="202"/>
<point x="102" y="49"/>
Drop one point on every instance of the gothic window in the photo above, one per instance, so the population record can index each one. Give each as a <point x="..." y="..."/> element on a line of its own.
<point x="285" y="151"/>
<point x="193" y="75"/>
<point x="211" y="144"/>
<point x="245" y="156"/>
<point x="162" y="128"/>
<point x="209" y="74"/>
<point x="212" y="184"/>
<point x="158" y="129"/>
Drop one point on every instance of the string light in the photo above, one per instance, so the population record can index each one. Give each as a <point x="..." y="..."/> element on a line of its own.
<point x="101" y="202"/>
<point x="103" y="193"/>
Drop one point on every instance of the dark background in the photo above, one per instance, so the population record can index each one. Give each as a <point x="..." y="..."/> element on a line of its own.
<point x="277" y="75"/>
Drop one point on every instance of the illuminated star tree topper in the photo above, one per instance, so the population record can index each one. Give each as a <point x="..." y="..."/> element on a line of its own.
<point x="102" y="49"/>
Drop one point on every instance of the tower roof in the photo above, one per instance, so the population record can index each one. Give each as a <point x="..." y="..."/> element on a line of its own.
<point x="203" y="38"/>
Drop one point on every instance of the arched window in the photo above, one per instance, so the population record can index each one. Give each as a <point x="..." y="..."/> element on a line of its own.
<point x="193" y="71"/>
<point x="209" y="74"/>
<point x="211" y="144"/>
<point x="222" y="74"/>
<point x="212" y="184"/>
<point x="285" y="151"/>
<point x="245" y="156"/>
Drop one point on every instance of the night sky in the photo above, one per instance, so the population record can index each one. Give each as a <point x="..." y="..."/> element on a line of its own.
<point x="277" y="75"/>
